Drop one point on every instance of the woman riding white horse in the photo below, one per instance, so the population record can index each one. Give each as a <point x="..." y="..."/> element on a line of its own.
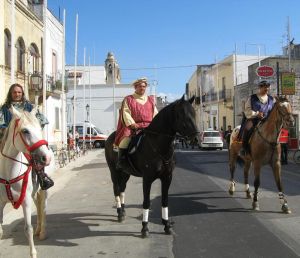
<point x="22" y="149"/>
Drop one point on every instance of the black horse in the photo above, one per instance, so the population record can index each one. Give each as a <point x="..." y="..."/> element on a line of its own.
<point x="154" y="157"/>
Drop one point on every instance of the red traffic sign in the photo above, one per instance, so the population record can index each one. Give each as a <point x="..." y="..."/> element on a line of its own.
<point x="264" y="71"/>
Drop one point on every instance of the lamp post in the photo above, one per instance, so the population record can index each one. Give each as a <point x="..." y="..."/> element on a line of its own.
<point x="36" y="82"/>
<point x="87" y="107"/>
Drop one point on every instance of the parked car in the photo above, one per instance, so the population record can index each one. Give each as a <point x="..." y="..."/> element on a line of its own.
<point x="211" y="139"/>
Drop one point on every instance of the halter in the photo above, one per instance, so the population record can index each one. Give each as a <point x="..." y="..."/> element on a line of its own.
<point x="24" y="176"/>
<point x="274" y="144"/>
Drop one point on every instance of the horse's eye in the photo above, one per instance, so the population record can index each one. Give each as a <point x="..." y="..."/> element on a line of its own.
<point x="25" y="131"/>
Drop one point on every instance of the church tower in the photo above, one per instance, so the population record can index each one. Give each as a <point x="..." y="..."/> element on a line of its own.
<point x="112" y="70"/>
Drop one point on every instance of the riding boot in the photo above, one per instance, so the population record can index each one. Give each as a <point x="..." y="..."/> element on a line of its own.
<point x="246" y="137"/>
<point x="123" y="163"/>
<point x="44" y="180"/>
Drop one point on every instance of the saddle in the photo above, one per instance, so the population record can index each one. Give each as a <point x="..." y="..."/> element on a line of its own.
<point x="135" y="142"/>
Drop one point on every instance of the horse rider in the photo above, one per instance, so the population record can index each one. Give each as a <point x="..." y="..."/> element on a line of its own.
<point x="283" y="140"/>
<point x="137" y="111"/>
<point x="16" y="98"/>
<point x="257" y="108"/>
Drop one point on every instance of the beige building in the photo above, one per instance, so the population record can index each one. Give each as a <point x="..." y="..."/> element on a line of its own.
<point x="26" y="40"/>
<point x="214" y="87"/>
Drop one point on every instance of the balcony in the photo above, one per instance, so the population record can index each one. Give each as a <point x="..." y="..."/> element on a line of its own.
<point x="225" y="95"/>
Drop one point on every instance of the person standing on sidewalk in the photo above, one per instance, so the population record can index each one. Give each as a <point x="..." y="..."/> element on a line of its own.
<point x="137" y="112"/>
<point x="283" y="140"/>
<point x="16" y="98"/>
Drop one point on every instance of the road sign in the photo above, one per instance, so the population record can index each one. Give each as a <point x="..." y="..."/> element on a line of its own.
<point x="265" y="71"/>
<point x="288" y="83"/>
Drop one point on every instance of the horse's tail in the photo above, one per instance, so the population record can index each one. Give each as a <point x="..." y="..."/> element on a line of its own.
<point x="110" y="155"/>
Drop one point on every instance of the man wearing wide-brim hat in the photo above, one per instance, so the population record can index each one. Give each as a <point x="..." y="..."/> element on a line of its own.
<point x="137" y="112"/>
<point x="257" y="107"/>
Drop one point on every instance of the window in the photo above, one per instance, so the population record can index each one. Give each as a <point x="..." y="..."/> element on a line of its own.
<point x="34" y="58"/>
<point x="20" y="55"/>
<point x="57" y="118"/>
<point x="79" y="130"/>
<point x="54" y="66"/>
<point x="7" y="46"/>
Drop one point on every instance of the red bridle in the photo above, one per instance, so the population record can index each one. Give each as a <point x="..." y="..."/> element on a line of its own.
<point x="25" y="175"/>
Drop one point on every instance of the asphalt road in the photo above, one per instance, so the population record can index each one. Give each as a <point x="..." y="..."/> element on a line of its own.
<point x="208" y="222"/>
<point x="211" y="223"/>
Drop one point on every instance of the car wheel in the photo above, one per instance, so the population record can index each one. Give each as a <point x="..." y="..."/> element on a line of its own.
<point x="97" y="144"/>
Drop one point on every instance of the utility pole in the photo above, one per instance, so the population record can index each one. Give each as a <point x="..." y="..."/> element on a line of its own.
<point x="12" y="49"/>
<point x="75" y="79"/>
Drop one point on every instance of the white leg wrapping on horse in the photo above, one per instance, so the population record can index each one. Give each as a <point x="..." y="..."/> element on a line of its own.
<point x="246" y="187"/>
<point x="145" y="215"/>
<point x="281" y="198"/>
<point x="118" y="202"/>
<point x="122" y="197"/>
<point x="164" y="213"/>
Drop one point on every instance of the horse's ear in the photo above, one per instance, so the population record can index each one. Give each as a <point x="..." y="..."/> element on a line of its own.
<point x="183" y="98"/>
<point x="191" y="100"/>
<point x="15" y="112"/>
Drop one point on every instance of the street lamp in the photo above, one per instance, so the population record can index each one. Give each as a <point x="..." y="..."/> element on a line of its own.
<point x="87" y="107"/>
<point x="36" y="82"/>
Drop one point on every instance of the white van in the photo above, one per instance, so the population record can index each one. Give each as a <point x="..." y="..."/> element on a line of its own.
<point x="91" y="132"/>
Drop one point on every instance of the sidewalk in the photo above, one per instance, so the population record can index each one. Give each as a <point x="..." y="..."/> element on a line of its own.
<point x="82" y="220"/>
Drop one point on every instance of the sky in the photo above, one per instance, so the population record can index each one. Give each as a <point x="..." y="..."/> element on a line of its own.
<point x="164" y="40"/>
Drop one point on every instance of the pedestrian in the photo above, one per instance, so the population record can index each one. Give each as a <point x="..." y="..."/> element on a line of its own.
<point x="16" y="98"/>
<point x="227" y="135"/>
<point x="283" y="140"/>
<point x="137" y="112"/>
<point x="257" y="108"/>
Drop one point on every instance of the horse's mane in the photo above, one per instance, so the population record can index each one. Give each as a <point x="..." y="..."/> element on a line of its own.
<point x="31" y="120"/>
<point x="164" y="113"/>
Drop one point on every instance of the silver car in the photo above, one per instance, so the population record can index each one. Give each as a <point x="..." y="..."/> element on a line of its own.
<point x="211" y="139"/>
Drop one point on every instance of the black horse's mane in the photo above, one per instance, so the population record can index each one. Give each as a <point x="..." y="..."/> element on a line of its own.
<point x="166" y="115"/>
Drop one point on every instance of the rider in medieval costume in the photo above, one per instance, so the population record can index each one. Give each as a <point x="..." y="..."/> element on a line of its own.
<point x="257" y="108"/>
<point x="16" y="98"/>
<point x="137" y="112"/>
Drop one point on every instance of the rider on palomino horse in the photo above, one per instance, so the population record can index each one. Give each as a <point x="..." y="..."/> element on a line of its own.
<point x="16" y="98"/>
<point x="137" y="112"/>
<point x="257" y="108"/>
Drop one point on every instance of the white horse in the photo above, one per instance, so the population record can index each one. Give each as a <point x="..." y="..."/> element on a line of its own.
<point x="22" y="149"/>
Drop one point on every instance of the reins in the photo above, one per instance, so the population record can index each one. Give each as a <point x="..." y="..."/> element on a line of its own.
<point x="24" y="176"/>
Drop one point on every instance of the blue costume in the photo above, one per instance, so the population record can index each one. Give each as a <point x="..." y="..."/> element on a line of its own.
<point x="5" y="115"/>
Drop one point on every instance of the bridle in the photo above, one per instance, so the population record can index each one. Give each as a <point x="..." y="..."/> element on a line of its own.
<point x="283" y="115"/>
<point x="30" y="164"/>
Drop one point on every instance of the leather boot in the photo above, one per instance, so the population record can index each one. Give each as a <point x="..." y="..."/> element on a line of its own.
<point x="122" y="163"/>
<point x="246" y="137"/>
<point x="44" y="180"/>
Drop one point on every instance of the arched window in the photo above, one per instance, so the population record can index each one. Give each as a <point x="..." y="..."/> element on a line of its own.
<point x="33" y="58"/>
<point x="7" y="47"/>
<point x="20" y="55"/>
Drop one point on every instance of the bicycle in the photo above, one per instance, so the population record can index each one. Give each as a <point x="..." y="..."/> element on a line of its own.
<point x="296" y="157"/>
<point x="62" y="157"/>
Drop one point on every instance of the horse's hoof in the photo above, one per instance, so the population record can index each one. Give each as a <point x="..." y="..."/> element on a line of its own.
<point x="255" y="206"/>
<point x="145" y="233"/>
<point x="230" y="192"/>
<point x="169" y="231"/>
<point x="248" y="195"/>
<point x="285" y="209"/>
<point x="121" y="218"/>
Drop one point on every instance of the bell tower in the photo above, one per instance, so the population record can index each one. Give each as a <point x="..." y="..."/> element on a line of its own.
<point x="112" y="70"/>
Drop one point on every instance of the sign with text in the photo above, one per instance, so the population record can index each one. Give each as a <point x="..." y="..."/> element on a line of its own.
<point x="265" y="71"/>
<point x="288" y="83"/>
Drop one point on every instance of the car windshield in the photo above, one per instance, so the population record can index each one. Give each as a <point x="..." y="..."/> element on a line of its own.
<point x="98" y="130"/>
<point x="211" y="134"/>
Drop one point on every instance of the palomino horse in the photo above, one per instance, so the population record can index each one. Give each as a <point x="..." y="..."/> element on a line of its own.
<point x="265" y="149"/>
<point x="22" y="148"/>
<point x="154" y="157"/>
